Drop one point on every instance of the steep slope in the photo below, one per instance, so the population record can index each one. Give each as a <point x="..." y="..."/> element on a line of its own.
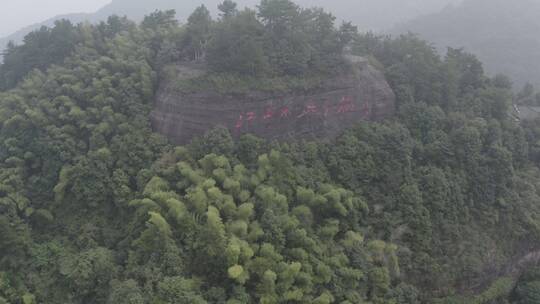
<point x="440" y="204"/>
<point x="503" y="34"/>
<point x="337" y="103"/>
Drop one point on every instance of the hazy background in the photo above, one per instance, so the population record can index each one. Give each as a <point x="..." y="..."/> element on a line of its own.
<point x="16" y="14"/>
<point x="372" y="14"/>
<point x="502" y="33"/>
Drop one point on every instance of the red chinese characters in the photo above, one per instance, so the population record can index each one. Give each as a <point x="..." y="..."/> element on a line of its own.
<point x="268" y="114"/>
<point x="240" y="122"/>
<point x="346" y="105"/>
<point x="250" y="116"/>
<point x="309" y="109"/>
<point x="284" y="112"/>
<point x="325" y="108"/>
<point x="366" y="109"/>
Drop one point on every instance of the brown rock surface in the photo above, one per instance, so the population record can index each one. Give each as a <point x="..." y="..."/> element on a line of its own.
<point x="341" y="102"/>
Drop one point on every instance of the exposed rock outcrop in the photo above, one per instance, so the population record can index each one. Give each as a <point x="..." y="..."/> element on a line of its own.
<point x="340" y="102"/>
<point x="519" y="266"/>
<point x="524" y="112"/>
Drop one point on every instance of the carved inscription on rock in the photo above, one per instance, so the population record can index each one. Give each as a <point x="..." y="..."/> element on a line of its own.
<point x="340" y="103"/>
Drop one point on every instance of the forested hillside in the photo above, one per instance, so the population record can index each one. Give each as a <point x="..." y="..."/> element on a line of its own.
<point x="503" y="34"/>
<point x="439" y="204"/>
<point x="367" y="14"/>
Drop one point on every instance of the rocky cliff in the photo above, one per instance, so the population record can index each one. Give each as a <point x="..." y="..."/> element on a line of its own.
<point x="339" y="103"/>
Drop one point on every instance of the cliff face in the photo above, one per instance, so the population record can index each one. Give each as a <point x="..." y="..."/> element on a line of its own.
<point x="339" y="103"/>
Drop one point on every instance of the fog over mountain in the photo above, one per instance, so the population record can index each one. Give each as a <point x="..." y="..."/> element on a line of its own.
<point x="15" y="15"/>
<point x="374" y="15"/>
<point x="502" y="33"/>
<point x="271" y="156"/>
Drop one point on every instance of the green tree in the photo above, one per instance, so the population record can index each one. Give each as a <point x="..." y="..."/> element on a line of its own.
<point x="237" y="46"/>
<point x="41" y="49"/>
<point x="125" y="293"/>
<point x="198" y="34"/>
<point x="227" y="8"/>
<point x="88" y="273"/>
<point x="278" y="14"/>
<point x="160" y="19"/>
<point x="179" y="290"/>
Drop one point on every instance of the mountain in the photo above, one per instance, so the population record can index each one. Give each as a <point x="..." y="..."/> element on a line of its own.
<point x="367" y="14"/>
<point x="438" y="204"/>
<point x="503" y="34"/>
<point x="135" y="10"/>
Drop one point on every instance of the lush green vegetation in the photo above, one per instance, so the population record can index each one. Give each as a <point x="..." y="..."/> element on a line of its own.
<point x="98" y="209"/>
<point x="280" y="47"/>
<point x="506" y="44"/>
<point x="527" y="290"/>
<point x="226" y="83"/>
<point x="40" y="49"/>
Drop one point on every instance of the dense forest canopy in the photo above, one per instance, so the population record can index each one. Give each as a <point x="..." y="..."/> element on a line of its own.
<point x="367" y="14"/>
<point x="431" y="206"/>
<point x="278" y="39"/>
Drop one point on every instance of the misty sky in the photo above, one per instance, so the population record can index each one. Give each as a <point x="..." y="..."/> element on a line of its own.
<point x="15" y="14"/>
<point x="372" y="14"/>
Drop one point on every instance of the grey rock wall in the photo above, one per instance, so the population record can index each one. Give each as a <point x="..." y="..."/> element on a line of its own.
<point x="339" y="103"/>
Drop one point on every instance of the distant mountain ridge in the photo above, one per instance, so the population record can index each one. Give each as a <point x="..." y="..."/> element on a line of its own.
<point x="383" y="13"/>
<point x="134" y="9"/>
<point x="503" y="34"/>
